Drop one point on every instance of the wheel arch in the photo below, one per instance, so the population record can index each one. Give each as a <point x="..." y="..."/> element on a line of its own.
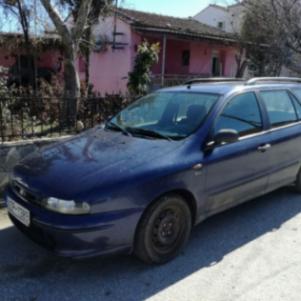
<point x="186" y="195"/>
<point x="189" y="198"/>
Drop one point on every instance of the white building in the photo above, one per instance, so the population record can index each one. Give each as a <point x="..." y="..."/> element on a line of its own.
<point x="228" y="18"/>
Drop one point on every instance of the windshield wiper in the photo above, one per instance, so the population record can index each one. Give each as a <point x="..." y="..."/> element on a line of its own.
<point x="115" y="126"/>
<point x="150" y="133"/>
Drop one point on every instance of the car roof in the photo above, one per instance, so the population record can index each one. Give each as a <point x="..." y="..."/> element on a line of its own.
<point x="225" y="88"/>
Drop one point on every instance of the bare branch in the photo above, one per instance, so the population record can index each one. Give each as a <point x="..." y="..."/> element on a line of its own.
<point x="81" y="21"/>
<point x="57" y="21"/>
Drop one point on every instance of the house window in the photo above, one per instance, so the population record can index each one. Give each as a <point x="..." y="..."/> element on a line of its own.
<point x="221" y="25"/>
<point x="186" y="58"/>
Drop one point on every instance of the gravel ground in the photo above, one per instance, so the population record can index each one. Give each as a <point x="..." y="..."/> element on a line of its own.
<point x="252" y="252"/>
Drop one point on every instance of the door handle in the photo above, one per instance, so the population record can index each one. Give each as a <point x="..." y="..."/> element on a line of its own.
<point x="264" y="148"/>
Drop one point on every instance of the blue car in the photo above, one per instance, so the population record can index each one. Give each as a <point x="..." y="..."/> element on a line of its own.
<point x="164" y="164"/>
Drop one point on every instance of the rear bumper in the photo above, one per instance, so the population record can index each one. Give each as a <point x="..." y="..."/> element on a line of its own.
<point x="112" y="233"/>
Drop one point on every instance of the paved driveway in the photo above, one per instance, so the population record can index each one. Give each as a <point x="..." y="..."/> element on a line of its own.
<point x="251" y="253"/>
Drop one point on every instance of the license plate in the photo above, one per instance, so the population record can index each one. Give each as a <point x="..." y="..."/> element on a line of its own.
<point x="19" y="212"/>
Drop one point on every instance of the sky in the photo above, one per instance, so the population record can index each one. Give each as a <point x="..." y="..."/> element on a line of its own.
<point x="178" y="8"/>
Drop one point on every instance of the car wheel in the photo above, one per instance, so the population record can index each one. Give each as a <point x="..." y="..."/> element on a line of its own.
<point x="163" y="230"/>
<point x="297" y="185"/>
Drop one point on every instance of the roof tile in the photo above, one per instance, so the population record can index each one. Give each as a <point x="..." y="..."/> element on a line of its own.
<point x="183" y="26"/>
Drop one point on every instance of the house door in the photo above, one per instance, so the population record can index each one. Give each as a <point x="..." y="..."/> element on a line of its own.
<point x="216" y="65"/>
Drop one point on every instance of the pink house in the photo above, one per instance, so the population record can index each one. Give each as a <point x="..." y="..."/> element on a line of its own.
<point x="188" y="49"/>
<point x="47" y="55"/>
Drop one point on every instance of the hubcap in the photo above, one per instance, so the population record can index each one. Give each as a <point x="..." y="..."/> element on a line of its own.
<point x="166" y="229"/>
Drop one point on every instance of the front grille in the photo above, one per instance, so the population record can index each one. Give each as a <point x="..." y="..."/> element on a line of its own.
<point x="23" y="193"/>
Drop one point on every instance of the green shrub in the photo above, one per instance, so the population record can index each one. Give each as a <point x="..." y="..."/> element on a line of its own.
<point x="140" y="77"/>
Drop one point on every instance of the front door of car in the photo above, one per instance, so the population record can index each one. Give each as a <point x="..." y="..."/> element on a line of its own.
<point x="237" y="171"/>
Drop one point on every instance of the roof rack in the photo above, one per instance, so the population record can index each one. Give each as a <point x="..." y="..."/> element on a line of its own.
<point x="213" y="80"/>
<point x="254" y="81"/>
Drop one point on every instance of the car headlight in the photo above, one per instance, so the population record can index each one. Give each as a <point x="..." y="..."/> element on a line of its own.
<point x="67" y="207"/>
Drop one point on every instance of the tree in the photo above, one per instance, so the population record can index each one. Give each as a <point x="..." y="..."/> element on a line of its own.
<point x="19" y="13"/>
<point x="71" y="37"/>
<point x="265" y="40"/>
<point x="20" y="10"/>
<point x="287" y="16"/>
<point x="76" y="36"/>
<point x="85" y="13"/>
<point x="241" y="62"/>
<point x="140" y="77"/>
<point x="99" y="7"/>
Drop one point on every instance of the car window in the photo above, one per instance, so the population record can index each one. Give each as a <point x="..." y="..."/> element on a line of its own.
<point x="147" y="111"/>
<point x="192" y="103"/>
<point x="279" y="107"/>
<point x="297" y="92"/>
<point x="297" y="105"/>
<point x="172" y="114"/>
<point x="297" y="101"/>
<point x="242" y="114"/>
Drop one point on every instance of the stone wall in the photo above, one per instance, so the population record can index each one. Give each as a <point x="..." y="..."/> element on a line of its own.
<point x="12" y="152"/>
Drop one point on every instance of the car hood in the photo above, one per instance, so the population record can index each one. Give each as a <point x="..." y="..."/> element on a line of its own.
<point x="96" y="158"/>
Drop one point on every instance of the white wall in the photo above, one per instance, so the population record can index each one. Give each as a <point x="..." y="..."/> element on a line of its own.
<point x="236" y="13"/>
<point x="211" y="15"/>
<point x="232" y="16"/>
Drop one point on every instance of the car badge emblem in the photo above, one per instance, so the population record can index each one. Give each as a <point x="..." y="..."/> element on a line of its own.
<point x="22" y="192"/>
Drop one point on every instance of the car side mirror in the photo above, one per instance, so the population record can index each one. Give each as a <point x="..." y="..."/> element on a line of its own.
<point x="223" y="137"/>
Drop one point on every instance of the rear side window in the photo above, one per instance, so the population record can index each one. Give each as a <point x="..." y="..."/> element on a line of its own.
<point x="242" y="114"/>
<point x="297" y="105"/>
<point x="279" y="107"/>
<point x="297" y="102"/>
<point x="297" y="92"/>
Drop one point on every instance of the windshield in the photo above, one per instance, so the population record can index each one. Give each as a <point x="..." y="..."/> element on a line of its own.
<point x="170" y="115"/>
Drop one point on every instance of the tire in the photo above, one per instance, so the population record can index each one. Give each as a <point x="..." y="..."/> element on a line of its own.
<point x="163" y="230"/>
<point x="297" y="186"/>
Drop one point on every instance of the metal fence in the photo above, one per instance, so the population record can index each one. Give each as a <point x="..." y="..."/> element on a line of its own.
<point x="33" y="117"/>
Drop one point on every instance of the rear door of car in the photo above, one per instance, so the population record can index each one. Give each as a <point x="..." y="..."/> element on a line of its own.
<point x="283" y="110"/>
<point x="238" y="171"/>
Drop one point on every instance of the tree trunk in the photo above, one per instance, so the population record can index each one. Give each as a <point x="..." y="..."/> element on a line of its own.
<point x="241" y="63"/>
<point x="87" y="60"/>
<point x="241" y="70"/>
<point x="71" y="40"/>
<point x="28" y="46"/>
<point x="72" y="87"/>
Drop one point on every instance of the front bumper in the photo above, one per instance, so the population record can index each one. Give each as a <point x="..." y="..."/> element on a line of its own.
<point x="82" y="236"/>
